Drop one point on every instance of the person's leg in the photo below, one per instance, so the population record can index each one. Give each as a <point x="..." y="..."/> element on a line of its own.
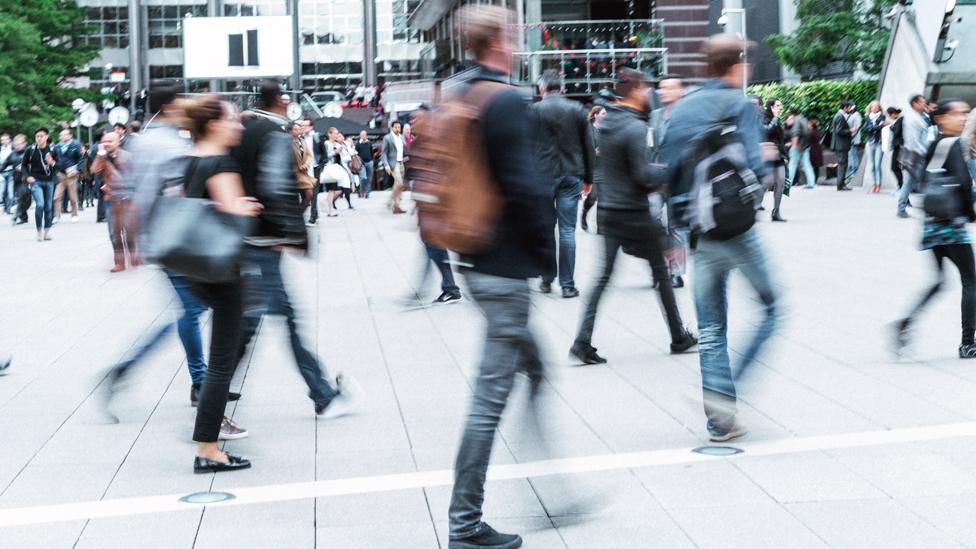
<point x="750" y="258"/>
<point x="660" y="273"/>
<point x="842" y="160"/>
<point x="38" y="193"/>
<point x="397" y="186"/>
<point x="938" y="253"/>
<point x="115" y="227"/>
<point x="711" y="275"/>
<point x="896" y="167"/>
<point x="567" y="205"/>
<point x="807" y="167"/>
<point x="793" y="165"/>
<point x="347" y="193"/>
<point x="314" y="215"/>
<point x="8" y="191"/>
<point x="440" y="258"/>
<point x="905" y="192"/>
<point x="962" y="256"/>
<point x="853" y="163"/>
<point x="779" y="186"/>
<point x="71" y="186"/>
<point x="584" y="335"/>
<point x="59" y="195"/>
<point x="505" y="304"/>
<point x="368" y="184"/>
<point x="188" y="327"/>
<point x="24" y="197"/>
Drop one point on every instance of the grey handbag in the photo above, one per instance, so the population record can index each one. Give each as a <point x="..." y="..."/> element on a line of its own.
<point x="187" y="235"/>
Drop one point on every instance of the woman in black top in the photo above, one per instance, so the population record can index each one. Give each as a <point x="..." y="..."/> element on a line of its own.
<point x="212" y="173"/>
<point x="776" y="136"/>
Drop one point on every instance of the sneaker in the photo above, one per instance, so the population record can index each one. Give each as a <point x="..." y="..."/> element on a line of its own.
<point x="687" y="341"/>
<point x="230" y="431"/>
<point x="74" y="219"/>
<point x="347" y="402"/>
<point x="47" y="234"/>
<point x="586" y="353"/>
<point x="569" y="293"/>
<point x="448" y="297"/>
<point x="487" y="538"/>
<point x="736" y="431"/>
<point x="900" y="338"/>
<point x="5" y="364"/>
<point x="677" y="282"/>
<point x="966" y="350"/>
<point x="903" y="215"/>
<point x="545" y="287"/>
<point x="40" y="235"/>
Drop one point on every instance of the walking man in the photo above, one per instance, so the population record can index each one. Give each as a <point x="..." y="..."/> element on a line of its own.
<point x="364" y="148"/>
<point x="566" y="155"/>
<point x="38" y="171"/>
<point x="800" y="142"/>
<point x="14" y="163"/>
<point x="841" y="143"/>
<point x="391" y="160"/>
<point x="715" y="258"/>
<point x="70" y="160"/>
<point x="915" y="144"/>
<point x="856" y="122"/>
<point x="6" y="174"/>
<point x="498" y="277"/>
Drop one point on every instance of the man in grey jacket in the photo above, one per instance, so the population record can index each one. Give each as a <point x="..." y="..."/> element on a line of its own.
<point x="623" y="216"/>
<point x="566" y="154"/>
<point x="915" y="136"/>
<point x="391" y="160"/>
<point x="841" y="142"/>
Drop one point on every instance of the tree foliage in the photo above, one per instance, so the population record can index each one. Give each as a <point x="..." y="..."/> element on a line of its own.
<point x="41" y="47"/>
<point x="841" y="34"/>
<point x="818" y="98"/>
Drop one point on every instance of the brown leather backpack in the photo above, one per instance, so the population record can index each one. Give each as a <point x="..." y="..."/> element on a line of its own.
<point x="458" y="202"/>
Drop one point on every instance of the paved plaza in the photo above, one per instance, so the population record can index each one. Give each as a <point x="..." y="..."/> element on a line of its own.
<point x="848" y="446"/>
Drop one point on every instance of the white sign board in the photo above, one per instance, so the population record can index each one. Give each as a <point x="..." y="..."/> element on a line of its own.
<point x="237" y="47"/>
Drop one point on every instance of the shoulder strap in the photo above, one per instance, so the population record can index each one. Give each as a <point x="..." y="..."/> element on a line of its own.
<point x="481" y="93"/>
<point x="941" y="153"/>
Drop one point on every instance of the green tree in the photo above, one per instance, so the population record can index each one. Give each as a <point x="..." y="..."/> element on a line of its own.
<point x="42" y="44"/>
<point x="831" y="33"/>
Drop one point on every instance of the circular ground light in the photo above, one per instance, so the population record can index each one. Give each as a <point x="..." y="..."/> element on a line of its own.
<point x="717" y="450"/>
<point x="207" y="497"/>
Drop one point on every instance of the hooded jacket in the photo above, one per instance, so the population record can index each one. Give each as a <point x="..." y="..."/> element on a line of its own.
<point x="626" y="173"/>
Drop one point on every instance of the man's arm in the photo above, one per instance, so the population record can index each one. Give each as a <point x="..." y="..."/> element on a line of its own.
<point x="279" y="191"/>
<point x="384" y="165"/>
<point x="589" y="149"/>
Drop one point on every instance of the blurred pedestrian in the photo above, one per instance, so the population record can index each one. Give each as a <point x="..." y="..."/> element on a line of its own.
<point x="364" y="148"/>
<point x="595" y="118"/>
<point x="816" y="148"/>
<point x="391" y="160"/>
<point x="841" y="142"/>
<point x="915" y="144"/>
<point x="111" y="162"/>
<point x="801" y="135"/>
<point x="302" y="152"/>
<point x="895" y="143"/>
<point x="727" y="240"/>
<point x="946" y="235"/>
<point x="39" y="172"/>
<point x="6" y="174"/>
<point x="776" y="136"/>
<point x="856" y="123"/>
<point x="874" y="123"/>
<point x="22" y="194"/>
<point x="70" y="160"/>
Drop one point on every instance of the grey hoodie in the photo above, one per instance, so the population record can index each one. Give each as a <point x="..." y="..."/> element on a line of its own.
<point x="626" y="173"/>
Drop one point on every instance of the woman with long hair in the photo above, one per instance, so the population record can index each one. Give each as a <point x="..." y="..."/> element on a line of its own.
<point x="874" y="122"/>
<point x="776" y="136"/>
<point x="948" y="239"/>
<point x="595" y="116"/>
<point x="213" y="174"/>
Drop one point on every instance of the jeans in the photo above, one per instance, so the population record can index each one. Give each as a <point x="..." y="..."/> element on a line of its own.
<point x="509" y="348"/>
<point x="875" y="154"/>
<point x="7" y="190"/>
<point x="24" y="196"/>
<point x="843" y="157"/>
<point x="646" y="249"/>
<point x="567" y="194"/>
<point x="910" y="173"/>
<point x="366" y="179"/>
<point x="714" y="260"/>
<point x="265" y="294"/>
<point x="777" y="183"/>
<point x="440" y="258"/>
<point x="225" y="299"/>
<point x="961" y="255"/>
<point x="43" y="193"/>
<point x="853" y="161"/>
<point x="801" y="160"/>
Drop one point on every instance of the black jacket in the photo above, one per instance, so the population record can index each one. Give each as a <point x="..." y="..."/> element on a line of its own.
<point x="524" y="242"/>
<point x="565" y="145"/>
<point x="842" y="132"/>
<point x="34" y="164"/>
<point x="15" y="162"/>
<point x="957" y="168"/>
<point x="626" y="173"/>
<point x="776" y="136"/>
<point x="268" y="174"/>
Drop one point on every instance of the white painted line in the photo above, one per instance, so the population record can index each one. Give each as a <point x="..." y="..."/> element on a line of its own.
<point x="425" y="479"/>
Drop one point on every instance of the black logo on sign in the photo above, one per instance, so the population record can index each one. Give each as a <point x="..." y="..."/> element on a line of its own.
<point x="238" y="44"/>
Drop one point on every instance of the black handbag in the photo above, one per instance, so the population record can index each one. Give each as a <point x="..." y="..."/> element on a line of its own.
<point x="191" y="237"/>
<point x="942" y="199"/>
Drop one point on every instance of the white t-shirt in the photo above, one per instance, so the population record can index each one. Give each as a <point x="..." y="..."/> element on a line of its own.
<point x="398" y="142"/>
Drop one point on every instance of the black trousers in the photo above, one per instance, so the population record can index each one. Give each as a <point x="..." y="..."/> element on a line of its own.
<point x="842" y="157"/>
<point x="228" y="309"/>
<point x="961" y="255"/>
<point x="24" y="199"/>
<point x="896" y="166"/>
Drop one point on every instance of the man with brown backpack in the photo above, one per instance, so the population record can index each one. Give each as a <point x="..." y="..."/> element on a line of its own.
<point x="478" y="195"/>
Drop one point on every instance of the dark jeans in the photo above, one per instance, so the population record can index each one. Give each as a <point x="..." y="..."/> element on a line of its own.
<point x="896" y="166"/>
<point x="265" y="294"/>
<point x="440" y="258"/>
<point x="509" y="348"/>
<point x="226" y="302"/>
<point x="961" y="255"/>
<point x="24" y="197"/>
<point x="842" y="159"/>
<point x="649" y="247"/>
<point x="314" y="215"/>
<point x="366" y="179"/>
<point x="43" y="193"/>
<point x="566" y="198"/>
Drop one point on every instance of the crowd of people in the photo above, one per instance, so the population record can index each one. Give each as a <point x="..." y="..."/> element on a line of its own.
<point x="674" y="185"/>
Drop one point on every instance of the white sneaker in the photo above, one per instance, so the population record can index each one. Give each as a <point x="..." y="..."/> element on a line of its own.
<point x="230" y="431"/>
<point x="736" y="431"/>
<point x="348" y="402"/>
<point x="74" y="219"/>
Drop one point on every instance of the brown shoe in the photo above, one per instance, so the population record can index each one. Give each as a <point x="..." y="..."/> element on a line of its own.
<point x="117" y="268"/>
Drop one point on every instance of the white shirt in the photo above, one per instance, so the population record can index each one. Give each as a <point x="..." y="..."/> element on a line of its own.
<point x="5" y="152"/>
<point x="398" y="142"/>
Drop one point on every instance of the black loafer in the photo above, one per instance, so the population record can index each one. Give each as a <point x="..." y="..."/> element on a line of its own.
<point x="234" y="463"/>
<point x="586" y="354"/>
<point x="685" y="343"/>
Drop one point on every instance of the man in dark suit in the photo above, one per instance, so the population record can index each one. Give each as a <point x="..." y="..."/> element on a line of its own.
<point x="841" y="142"/>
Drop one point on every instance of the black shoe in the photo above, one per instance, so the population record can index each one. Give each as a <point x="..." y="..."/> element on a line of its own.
<point x="5" y="364"/>
<point x="570" y="292"/>
<point x="761" y="209"/>
<point x="487" y="538"/>
<point x="448" y="297"/>
<point x="586" y="353"/>
<point x="903" y="214"/>
<point x="687" y="341"/>
<point x="776" y="217"/>
<point x="900" y="339"/>
<point x="545" y="287"/>
<point x="234" y="463"/>
<point x="967" y="350"/>
<point x="844" y="188"/>
<point x="677" y="282"/>
<point x="195" y="395"/>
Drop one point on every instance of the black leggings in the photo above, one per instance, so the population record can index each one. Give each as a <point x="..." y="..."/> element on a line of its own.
<point x="961" y="255"/>
<point x="346" y="192"/>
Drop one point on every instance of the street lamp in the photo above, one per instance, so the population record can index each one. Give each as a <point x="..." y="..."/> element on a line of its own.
<point x="724" y="21"/>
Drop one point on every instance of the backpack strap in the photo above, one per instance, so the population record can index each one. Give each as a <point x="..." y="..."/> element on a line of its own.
<point x="481" y="92"/>
<point x="941" y="153"/>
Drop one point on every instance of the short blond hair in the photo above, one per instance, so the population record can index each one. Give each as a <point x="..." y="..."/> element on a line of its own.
<point x="482" y="24"/>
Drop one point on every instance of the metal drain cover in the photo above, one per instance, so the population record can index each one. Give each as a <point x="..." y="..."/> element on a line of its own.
<point x="717" y="450"/>
<point x="207" y="497"/>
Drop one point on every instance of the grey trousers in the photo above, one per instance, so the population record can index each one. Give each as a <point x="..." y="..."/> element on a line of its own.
<point x="509" y="348"/>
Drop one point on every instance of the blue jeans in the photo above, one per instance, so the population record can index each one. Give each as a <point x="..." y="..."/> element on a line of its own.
<point x="567" y="194"/>
<point x="911" y="179"/>
<point x="509" y="349"/>
<point x="264" y="293"/>
<point x="188" y="327"/>
<point x="366" y="178"/>
<point x="853" y="162"/>
<point x="801" y="160"/>
<point x="43" y="192"/>
<point x="7" y="190"/>
<point x="714" y="260"/>
<point x="440" y="258"/>
<point x="875" y="154"/>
